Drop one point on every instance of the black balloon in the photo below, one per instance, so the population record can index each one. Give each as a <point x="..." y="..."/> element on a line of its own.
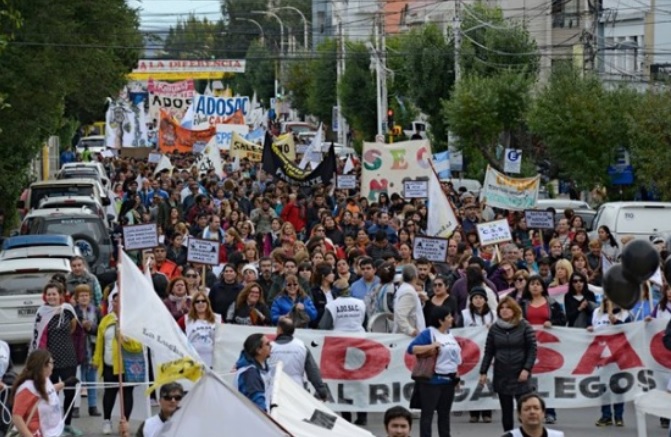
<point x="640" y="260"/>
<point x="667" y="269"/>
<point x="619" y="288"/>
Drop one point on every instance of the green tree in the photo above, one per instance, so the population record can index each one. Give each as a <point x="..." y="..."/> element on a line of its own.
<point x="429" y="70"/>
<point x="484" y="111"/>
<point x="491" y="43"/>
<point x="297" y="84"/>
<point x="650" y="136"/>
<point x="358" y="92"/>
<point x="259" y="76"/>
<point x="581" y="124"/>
<point x="193" y="38"/>
<point x="61" y="64"/>
<point x="322" y="96"/>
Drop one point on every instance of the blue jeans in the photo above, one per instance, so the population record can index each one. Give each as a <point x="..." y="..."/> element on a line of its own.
<point x="89" y="374"/>
<point x="607" y="413"/>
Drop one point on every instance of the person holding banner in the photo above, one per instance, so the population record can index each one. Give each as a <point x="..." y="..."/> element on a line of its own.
<point x="253" y="375"/>
<point x="511" y="344"/>
<point x="437" y="393"/>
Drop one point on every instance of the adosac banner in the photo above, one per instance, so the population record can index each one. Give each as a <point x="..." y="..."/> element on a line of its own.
<point x="212" y="110"/>
<point x="574" y="369"/>
<point x="386" y="166"/>
<point x="241" y="148"/>
<point x="174" y="138"/>
<point x="174" y="97"/>
<point x="276" y="163"/>
<point x="501" y="191"/>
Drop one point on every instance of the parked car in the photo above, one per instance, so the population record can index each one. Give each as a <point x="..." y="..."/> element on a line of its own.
<point x="83" y="173"/>
<point x="95" y="143"/>
<point x="297" y="127"/>
<point x="21" y="284"/>
<point x="98" y="166"/>
<point x="561" y="204"/>
<point x="22" y="241"/>
<point x="60" y="202"/>
<point x="638" y="219"/>
<point x="39" y="246"/>
<point x="64" y="187"/>
<point x="87" y="229"/>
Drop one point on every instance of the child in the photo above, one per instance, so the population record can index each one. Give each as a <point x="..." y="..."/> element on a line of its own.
<point x="609" y="314"/>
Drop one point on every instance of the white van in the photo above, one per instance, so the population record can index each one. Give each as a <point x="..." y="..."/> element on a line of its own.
<point x="638" y="219"/>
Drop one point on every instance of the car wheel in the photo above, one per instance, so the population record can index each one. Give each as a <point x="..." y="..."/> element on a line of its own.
<point x="89" y="248"/>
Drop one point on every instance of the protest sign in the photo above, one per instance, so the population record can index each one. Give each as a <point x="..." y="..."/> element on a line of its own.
<point x="416" y="189"/>
<point x="501" y="191"/>
<point x="125" y="125"/>
<point x="346" y="182"/>
<point x="497" y="231"/>
<point x="211" y="110"/>
<point x="574" y="368"/>
<point x="512" y="162"/>
<point x="175" y="106"/>
<point x="140" y="236"/>
<point x="203" y="251"/>
<point x="225" y="135"/>
<point x="174" y="138"/>
<point x="539" y="219"/>
<point x="433" y="249"/>
<point x="154" y="158"/>
<point x="385" y="166"/>
<point x="241" y="148"/>
<point x="276" y="163"/>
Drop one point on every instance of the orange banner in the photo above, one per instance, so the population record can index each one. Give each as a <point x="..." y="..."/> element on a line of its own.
<point x="174" y="138"/>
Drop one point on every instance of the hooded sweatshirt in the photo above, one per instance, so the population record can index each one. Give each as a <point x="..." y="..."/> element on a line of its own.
<point x="253" y="380"/>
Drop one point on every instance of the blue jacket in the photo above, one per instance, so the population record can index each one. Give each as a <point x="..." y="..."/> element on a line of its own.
<point x="392" y="235"/>
<point x="250" y="382"/>
<point x="282" y="305"/>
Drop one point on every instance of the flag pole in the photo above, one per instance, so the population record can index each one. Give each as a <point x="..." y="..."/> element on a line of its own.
<point x="119" y="337"/>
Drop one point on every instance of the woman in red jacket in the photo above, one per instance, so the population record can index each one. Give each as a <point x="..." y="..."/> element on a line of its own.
<point x="294" y="213"/>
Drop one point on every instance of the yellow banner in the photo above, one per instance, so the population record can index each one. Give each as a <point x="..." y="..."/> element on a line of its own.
<point x="183" y="368"/>
<point x="285" y="144"/>
<point x="210" y="75"/>
<point x="242" y="148"/>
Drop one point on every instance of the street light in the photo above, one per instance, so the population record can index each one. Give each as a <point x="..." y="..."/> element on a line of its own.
<point x="257" y="23"/>
<point x="305" y="23"/>
<point x="279" y="20"/>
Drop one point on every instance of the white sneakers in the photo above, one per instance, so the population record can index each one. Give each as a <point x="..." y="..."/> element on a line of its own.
<point x="107" y="427"/>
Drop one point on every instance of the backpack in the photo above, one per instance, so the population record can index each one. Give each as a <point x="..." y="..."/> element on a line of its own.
<point x="384" y="299"/>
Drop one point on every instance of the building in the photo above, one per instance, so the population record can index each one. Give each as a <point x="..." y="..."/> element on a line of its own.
<point x="357" y="17"/>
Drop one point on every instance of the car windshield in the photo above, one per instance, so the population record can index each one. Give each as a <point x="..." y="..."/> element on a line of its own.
<point x="56" y="205"/>
<point x="74" y="225"/>
<point x="80" y="174"/>
<point x="92" y="143"/>
<point x="19" y="283"/>
<point x="39" y="193"/>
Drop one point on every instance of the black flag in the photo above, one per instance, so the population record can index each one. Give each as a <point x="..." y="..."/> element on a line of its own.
<point x="278" y="165"/>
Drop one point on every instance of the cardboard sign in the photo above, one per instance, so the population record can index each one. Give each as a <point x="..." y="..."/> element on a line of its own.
<point x="433" y="249"/>
<point x="415" y="189"/>
<point x="154" y="158"/>
<point x="539" y="219"/>
<point x="140" y="236"/>
<point x="494" y="232"/>
<point x="135" y="152"/>
<point x="346" y="181"/>
<point x="203" y="251"/>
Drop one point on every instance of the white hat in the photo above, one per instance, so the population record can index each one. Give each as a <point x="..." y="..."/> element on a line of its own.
<point x="250" y="267"/>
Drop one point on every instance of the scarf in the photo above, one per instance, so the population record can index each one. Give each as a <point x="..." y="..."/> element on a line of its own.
<point x="505" y="325"/>
<point x="44" y="315"/>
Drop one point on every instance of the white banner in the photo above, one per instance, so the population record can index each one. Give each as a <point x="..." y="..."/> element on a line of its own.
<point x="225" y="134"/>
<point x="211" y="110"/>
<point x="574" y="368"/>
<point x="512" y="162"/>
<point x="175" y="106"/>
<point x="501" y="191"/>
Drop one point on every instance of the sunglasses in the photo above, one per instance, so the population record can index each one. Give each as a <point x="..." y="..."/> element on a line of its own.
<point x="200" y="301"/>
<point x="173" y="398"/>
<point x="191" y="276"/>
<point x="292" y="285"/>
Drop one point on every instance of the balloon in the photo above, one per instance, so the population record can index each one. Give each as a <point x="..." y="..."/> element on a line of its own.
<point x="619" y="288"/>
<point x="667" y="269"/>
<point x="640" y="260"/>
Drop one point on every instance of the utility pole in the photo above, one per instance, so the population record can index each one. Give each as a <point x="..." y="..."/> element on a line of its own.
<point x="457" y="41"/>
<point x="340" y="72"/>
<point x="383" y="62"/>
<point x="378" y="84"/>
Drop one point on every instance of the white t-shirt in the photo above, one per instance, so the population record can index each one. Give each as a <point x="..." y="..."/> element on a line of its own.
<point x="449" y="356"/>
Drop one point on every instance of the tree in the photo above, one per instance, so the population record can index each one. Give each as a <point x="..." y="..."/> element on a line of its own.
<point x="192" y="38"/>
<point x="61" y="64"/>
<point x="358" y="92"/>
<point x="298" y="83"/>
<point x="650" y="138"/>
<point x="323" y="94"/>
<point x="491" y="43"/>
<point x="259" y="76"/>
<point x="483" y="111"/>
<point x="429" y="70"/>
<point x="581" y="124"/>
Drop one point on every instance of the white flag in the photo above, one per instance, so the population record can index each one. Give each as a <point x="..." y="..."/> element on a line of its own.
<point x="349" y="165"/>
<point x="210" y="158"/>
<point x="187" y="118"/>
<point x="442" y="221"/>
<point x="315" y="146"/>
<point x="163" y="164"/>
<point x="304" y="416"/>
<point x="213" y="407"/>
<point x="145" y="318"/>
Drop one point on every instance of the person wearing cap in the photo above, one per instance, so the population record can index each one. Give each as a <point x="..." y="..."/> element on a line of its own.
<point x="171" y="395"/>
<point x="470" y="220"/>
<point x="249" y="274"/>
<point x="296" y="358"/>
<point x="263" y="216"/>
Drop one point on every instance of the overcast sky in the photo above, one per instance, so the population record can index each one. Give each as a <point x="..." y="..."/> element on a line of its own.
<point x="164" y="13"/>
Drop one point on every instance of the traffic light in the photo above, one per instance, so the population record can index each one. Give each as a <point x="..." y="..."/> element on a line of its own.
<point x="390" y="119"/>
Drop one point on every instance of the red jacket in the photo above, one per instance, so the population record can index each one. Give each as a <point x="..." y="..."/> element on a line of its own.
<point x="295" y="215"/>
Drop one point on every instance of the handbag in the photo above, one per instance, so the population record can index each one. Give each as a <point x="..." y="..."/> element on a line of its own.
<point x="13" y="431"/>
<point x="425" y="365"/>
<point x="300" y="318"/>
